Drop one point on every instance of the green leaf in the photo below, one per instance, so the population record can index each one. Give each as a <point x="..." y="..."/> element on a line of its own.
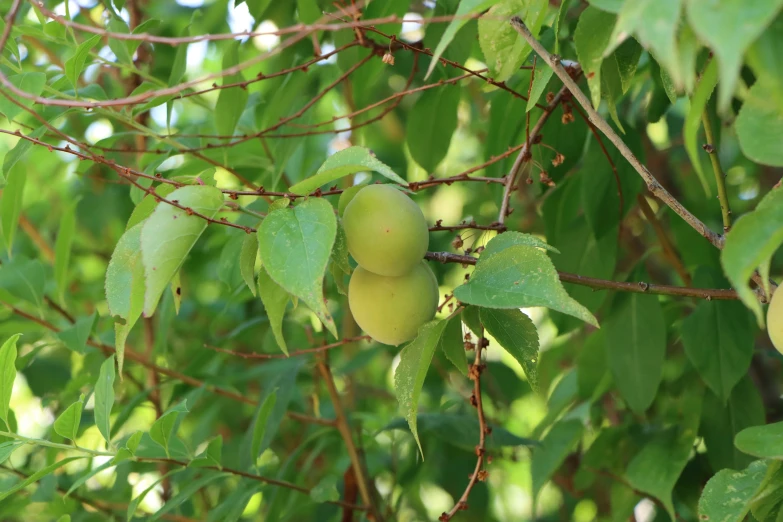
<point x="343" y="163"/>
<point x="340" y="251"/>
<point x="504" y="49"/>
<point x="147" y="205"/>
<point x="655" y="24"/>
<point x="593" y="376"/>
<point x="8" y="373"/>
<point x="554" y="449"/>
<point x="636" y="347"/>
<point x="517" y="277"/>
<point x="541" y="76"/>
<point x="212" y="455"/>
<point x="760" y="120"/>
<point x="259" y="427"/>
<point x="125" y="287"/>
<point x="762" y="441"/>
<point x="693" y="120"/>
<point x="466" y="7"/>
<point x="275" y="300"/>
<point x="513" y="238"/>
<point x="610" y="6"/>
<point x="517" y="334"/>
<point x="591" y="38"/>
<point x="24" y="279"/>
<point x="231" y="102"/>
<point x="67" y="424"/>
<point x="62" y="248"/>
<point x="325" y="490"/>
<point x="722" y="421"/>
<point x="169" y="234"/>
<point x="104" y="398"/>
<point x="728" y="494"/>
<point x="247" y="261"/>
<point x="257" y="7"/>
<point x="162" y="429"/>
<point x="88" y="475"/>
<point x="656" y="468"/>
<point x="179" y="67"/>
<point x="19" y="151"/>
<point x="453" y="346"/>
<point x="719" y="343"/>
<point x="75" y="64"/>
<point x="188" y="491"/>
<point x="11" y="205"/>
<point x="415" y="360"/>
<point x="431" y="124"/>
<point x="30" y="82"/>
<point x="295" y="245"/>
<point x="7" y="448"/>
<point x="750" y="244"/>
<point x="35" y="477"/>
<point x="716" y="23"/>
<point x="119" y="47"/>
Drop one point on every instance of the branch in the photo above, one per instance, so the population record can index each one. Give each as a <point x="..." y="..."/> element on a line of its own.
<point x="479" y="474"/>
<point x="246" y="355"/>
<point x="720" y="178"/>
<point x="603" y="284"/>
<point x="345" y="431"/>
<point x="652" y="184"/>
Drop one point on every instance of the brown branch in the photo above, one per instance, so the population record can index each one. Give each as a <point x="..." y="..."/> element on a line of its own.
<point x="663" y="239"/>
<point x="344" y="427"/>
<point x="263" y="356"/>
<point x="36" y="238"/>
<point x="479" y="474"/>
<point x="603" y="284"/>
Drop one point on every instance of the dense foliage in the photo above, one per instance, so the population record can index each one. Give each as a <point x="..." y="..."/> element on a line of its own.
<point x="601" y="182"/>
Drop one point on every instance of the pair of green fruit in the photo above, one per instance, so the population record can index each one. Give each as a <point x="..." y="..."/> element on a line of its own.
<point x="392" y="292"/>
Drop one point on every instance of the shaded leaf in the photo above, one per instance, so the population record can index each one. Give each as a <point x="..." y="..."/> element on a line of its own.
<point x="517" y="334"/>
<point x="231" y="101"/>
<point x="275" y="300"/>
<point x="694" y="117"/>
<point x="75" y="64"/>
<point x="38" y="475"/>
<point x="162" y="429"/>
<point x="76" y="336"/>
<point x="762" y="441"/>
<point x="760" y="120"/>
<point x="247" y="261"/>
<point x="30" y="82"/>
<point x="104" y="398"/>
<point x="431" y="125"/>
<point x="453" y="346"/>
<point x="11" y="206"/>
<point x="259" y="426"/>
<point x="591" y="38"/>
<point x="24" y="279"/>
<point x="62" y="248"/>
<point x="554" y="449"/>
<point x="8" y="372"/>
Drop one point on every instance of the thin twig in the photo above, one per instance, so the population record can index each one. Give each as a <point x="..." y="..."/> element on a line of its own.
<point x="603" y="284"/>
<point x="248" y="355"/>
<point x="711" y="147"/>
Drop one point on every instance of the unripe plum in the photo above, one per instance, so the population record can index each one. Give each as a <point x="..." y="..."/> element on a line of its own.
<point x="385" y="230"/>
<point x="775" y="320"/>
<point x="391" y="309"/>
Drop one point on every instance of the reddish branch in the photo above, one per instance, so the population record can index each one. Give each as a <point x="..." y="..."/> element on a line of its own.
<point x="265" y="356"/>
<point x="603" y="284"/>
<point x="479" y="473"/>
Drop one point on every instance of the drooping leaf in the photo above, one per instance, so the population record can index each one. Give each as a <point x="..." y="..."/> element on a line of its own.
<point x="750" y="244"/>
<point x="8" y="373"/>
<point x="656" y="468"/>
<point x="728" y="494"/>
<point x="231" y="101"/>
<point x="125" y="287"/>
<point x="759" y="121"/>
<point x="275" y="300"/>
<point x="104" y="398"/>
<point x="466" y="7"/>
<point x="517" y="277"/>
<point x="716" y="23"/>
<point x="453" y="346"/>
<point x="247" y="261"/>
<point x="325" y="490"/>
<point x="517" y="334"/>
<point x="415" y="360"/>
<point x="343" y="163"/>
<point x="62" y="248"/>
<point x="295" y="244"/>
<point x="67" y="424"/>
<point x="719" y="343"/>
<point x="554" y="449"/>
<point x="636" y="347"/>
<point x="431" y="125"/>
<point x="11" y="206"/>
<point x="591" y="38"/>
<point x="259" y="426"/>
<point x="169" y="234"/>
<point x="542" y="74"/>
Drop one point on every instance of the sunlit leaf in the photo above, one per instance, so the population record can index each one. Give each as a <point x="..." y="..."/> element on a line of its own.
<point x="8" y="372"/>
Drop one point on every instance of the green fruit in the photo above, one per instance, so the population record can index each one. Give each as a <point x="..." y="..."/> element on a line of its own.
<point x="391" y="309"/>
<point x="386" y="231"/>
<point x="775" y="320"/>
<point x="347" y="196"/>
